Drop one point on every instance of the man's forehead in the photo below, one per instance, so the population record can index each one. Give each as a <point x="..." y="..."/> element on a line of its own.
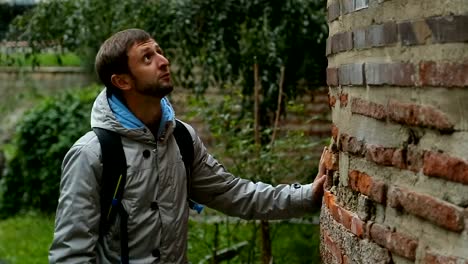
<point x="151" y="43"/>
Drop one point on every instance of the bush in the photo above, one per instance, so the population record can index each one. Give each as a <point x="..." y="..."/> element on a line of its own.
<point x="289" y="158"/>
<point x="43" y="136"/>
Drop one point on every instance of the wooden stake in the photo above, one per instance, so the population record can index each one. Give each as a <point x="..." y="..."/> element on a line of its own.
<point x="278" y="110"/>
<point x="257" y="88"/>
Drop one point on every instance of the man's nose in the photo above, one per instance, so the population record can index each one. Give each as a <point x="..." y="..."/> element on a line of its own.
<point x="162" y="61"/>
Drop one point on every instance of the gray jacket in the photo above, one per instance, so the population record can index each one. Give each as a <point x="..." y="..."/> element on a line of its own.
<point x="155" y="196"/>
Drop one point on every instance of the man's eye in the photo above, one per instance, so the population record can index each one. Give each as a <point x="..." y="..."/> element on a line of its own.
<point x="147" y="58"/>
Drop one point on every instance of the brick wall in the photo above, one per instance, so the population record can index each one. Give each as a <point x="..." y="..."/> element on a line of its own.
<point x="398" y="162"/>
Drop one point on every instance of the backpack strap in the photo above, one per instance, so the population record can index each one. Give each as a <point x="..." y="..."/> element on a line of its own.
<point x="114" y="173"/>
<point x="185" y="143"/>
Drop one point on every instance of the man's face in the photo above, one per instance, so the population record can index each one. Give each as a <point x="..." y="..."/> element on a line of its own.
<point x="149" y="69"/>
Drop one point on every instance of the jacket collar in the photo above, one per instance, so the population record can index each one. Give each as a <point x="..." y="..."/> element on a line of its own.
<point x="130" y="121"/>
<point x="111" y="113"/>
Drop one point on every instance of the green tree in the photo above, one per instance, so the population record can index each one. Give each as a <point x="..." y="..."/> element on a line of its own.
<point x="210" y="42"/>
<point x="7" y="13"/>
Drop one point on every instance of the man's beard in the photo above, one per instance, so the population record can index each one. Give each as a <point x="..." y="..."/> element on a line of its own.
<point x="156" y="89"/>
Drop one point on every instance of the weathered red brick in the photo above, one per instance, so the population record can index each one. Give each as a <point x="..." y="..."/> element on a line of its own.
<point x="334" y="132"/>
<point x="332" y="100"/>
<point x="341" y="42"/>
<point x="414" y="158"/>
<point x="358" y="226"/>
<point x="448" y="29"/>
<point x="333" y="248"/>
<point x="396" y="242"/>
<point x="444" y="166"/>
<point x="399" y="158"/>
<point x="414" y="32"/>
<point x="333" y="11"/>
<point x="381" y="34"/>
<point x="327" y="197"/>
<point x="443" y="74"/>
<point x="367" y="108"/>
<point x="331" y="160"/>
<point x="351" y="145"/>
<point x="392" y="198"/>
<point x="379" y="154"/>
<point x="333" y="208"/>
<point x="343" y="99"/>
<point x="427" y="207"/>
<point x="328" y="49"/>
<point x="419" y="115"/>
<point x="434" y="258"/>
<point x="401" y="74"/>
<point x="359" y="38"/>
<point x="320" y="129"/>
<point x="390" y="33"/>
<point x="351" y="74"/>
<point x="331" y="204"/>
<point x="365" y="184"/>
<point x="332" y="76"/>
<point x="347" y="40"/>
<point x="318" y="97"/>
<point x="346" y="218"/>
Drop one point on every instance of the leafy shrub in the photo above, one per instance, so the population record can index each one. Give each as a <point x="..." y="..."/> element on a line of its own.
<point x="43" y="136"/>
<point x="289" y="158"/>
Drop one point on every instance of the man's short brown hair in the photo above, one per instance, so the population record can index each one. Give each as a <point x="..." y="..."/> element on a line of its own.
<point x="112" y="57"/>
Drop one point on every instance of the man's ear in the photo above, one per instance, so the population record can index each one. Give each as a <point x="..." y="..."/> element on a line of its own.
<point x="121" y="81"/>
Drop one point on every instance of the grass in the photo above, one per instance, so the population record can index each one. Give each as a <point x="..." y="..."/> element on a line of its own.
<point x="26" y="239"/>
<point x="43" y="59"/>
<point x="291" y="243"/>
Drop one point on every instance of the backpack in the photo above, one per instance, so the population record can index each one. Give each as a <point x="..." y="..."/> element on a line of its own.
<point x="114" y="176"/>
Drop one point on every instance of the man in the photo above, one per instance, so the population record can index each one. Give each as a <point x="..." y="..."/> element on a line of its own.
<point x="133" y="68"/>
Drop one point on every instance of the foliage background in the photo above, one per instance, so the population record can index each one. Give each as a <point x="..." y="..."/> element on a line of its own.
<point x="34" y="156"/>
<point x="211" y="43"/>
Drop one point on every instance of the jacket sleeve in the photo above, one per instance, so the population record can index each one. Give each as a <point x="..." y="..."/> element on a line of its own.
<point x="78" y="211"/>
<point x="213" y="186"/>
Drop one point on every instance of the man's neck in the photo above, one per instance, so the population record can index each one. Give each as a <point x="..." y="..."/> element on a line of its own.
<point x="147" y="109"/>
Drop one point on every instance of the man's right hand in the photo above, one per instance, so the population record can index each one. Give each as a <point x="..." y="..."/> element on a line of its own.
<point x="318" y="186"/>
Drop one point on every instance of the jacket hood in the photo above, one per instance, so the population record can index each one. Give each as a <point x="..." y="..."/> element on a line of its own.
<point x="110" y="113"/>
